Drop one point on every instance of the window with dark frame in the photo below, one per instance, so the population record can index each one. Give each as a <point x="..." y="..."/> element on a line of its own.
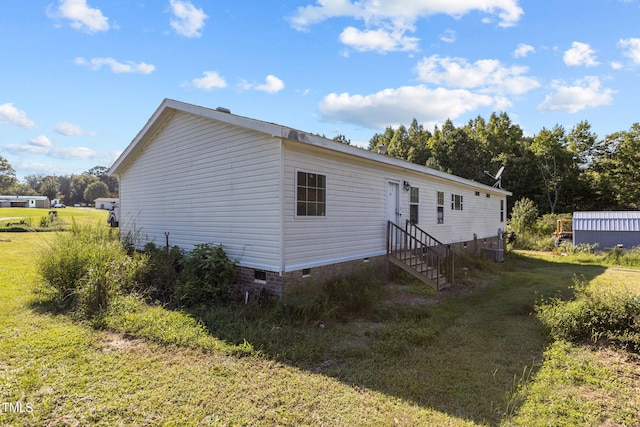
<point x="501" y="210"/>
<point x="440" y="207"/>
<point x="311" y="194"/>
<point x="456" y="202"/>
<point x="414" y="200"/>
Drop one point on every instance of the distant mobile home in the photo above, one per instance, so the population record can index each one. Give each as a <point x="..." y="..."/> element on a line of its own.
<point x="24" y="202"/>
<point x="105" y="202"/>
<point x="608" y="229"/>
<point x="287" y="205"/>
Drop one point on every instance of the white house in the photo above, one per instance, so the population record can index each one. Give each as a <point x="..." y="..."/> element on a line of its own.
<point x="287" y="205"/>
<point x="24" y="202"/>
<point x="105" y="202"/>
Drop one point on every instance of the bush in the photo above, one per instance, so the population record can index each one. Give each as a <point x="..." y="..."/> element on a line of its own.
<point x="87" y="267"/>
<point x="596" y="314"/>
<point x="523" y="215"/>
<point x="205" y="277"/>
<point x="45" y="221"/>
<point x="159" y="279"/>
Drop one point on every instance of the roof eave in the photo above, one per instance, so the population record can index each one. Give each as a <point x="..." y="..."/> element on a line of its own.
<point x="168" y="106"/>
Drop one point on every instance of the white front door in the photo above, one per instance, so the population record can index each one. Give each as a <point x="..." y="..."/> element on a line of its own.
<point x="393" y="202"/>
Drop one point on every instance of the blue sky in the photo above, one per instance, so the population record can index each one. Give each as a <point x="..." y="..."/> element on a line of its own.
<point x="80" y="78"/>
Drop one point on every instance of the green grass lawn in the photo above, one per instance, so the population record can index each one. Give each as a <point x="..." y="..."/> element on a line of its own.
<point x="479" y="356"/>
<point x="31" y="218"/>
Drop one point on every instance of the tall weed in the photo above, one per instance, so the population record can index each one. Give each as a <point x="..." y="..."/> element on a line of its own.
<point x="87" y="267"/>
<point x="595" y="315"/>
<point x="354" y="294"/>
<point x="164" y="266"/>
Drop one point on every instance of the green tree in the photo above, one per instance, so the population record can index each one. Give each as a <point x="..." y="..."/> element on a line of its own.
<point x="49" y="187"/>
<point x="456" y="152"/>
<point x="624" y="166"/>
<point x="7" y="175"/>
<point x="586" y="150"/>
<point x="21" y="189"/>
<point x="554" y="160"/>
<point x="380" y="139"/>
<point x="79" y="184"/>
<point x="34" y="181"/>
<point x="95" y="190"/>
<point x="102" y="173"/>
<point x="342" y="139"/>
<point x="418" y="143"/>
<point x="523" y="215"/>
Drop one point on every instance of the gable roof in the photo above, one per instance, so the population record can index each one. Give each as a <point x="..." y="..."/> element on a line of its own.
<point x="169" y="106"/>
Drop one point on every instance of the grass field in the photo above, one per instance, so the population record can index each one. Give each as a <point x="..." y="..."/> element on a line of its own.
<point x="18" y="219"/>
<point x="477" y="357"/>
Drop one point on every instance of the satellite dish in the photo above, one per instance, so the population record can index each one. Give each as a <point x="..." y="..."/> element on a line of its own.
<point x="497" y="177"/>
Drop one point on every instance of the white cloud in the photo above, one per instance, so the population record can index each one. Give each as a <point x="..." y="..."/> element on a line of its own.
<point x="387" y="21"/>
<point x="631" y="48"/>
<point x="487" y="75"/>
<point x="40" y="141"/>
<point x="580" y="54"/>
<point x="523" y="50"/>
<point x="379" y="40"/>
<point x="211" y="80"/>
<point x="82" y="16"/>
<point x="10" y="114"/>
<point x="69" y="129"/>
<point x="116" y="67"/>
<point x="391" y="107"/>
<point x="584" y="93"/>
<point x="187" y="20"/>
<point x="272" y="84"/>
<point x="448" y="36"/>
<point x="37" y="146"/>
<point x="617" y="65"/>
<point x="402" y="13"/>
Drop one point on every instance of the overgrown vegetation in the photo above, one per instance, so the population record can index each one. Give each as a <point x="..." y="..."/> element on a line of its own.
<point x="353" y="295"/>
<point x="87" y="267"/>
<point x="478" y="354"/>
<point x="205" y="277"/>
<point x="595" y="315"/>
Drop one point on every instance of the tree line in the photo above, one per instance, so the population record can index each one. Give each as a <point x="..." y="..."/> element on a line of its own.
<point x="560" y="171"/>
<point x="70" y="189"/>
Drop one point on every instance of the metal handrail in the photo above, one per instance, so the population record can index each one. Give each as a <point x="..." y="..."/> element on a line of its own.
<point x="411" y="245"/>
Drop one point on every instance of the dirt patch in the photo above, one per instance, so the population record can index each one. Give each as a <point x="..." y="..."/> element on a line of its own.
<point x="412" y="295"/>
<point x="111" y="342"/>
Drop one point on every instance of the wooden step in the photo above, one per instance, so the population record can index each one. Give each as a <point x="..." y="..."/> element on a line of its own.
<point x="426" y="274"/>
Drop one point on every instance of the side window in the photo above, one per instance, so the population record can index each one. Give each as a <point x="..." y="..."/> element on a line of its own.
<point x="311" y="194"/>
<point x="414" y="200"/>
<point x="440" y="207"/>
<point x="456" y="202"/>
<point x="501" y="210"/>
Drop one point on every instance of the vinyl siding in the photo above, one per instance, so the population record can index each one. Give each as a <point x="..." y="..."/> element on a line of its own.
<point x="479" y="215"/>
<point x="203" y="181"/>
<point x="355" y="222"/>
<point x="354" y="225"/>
